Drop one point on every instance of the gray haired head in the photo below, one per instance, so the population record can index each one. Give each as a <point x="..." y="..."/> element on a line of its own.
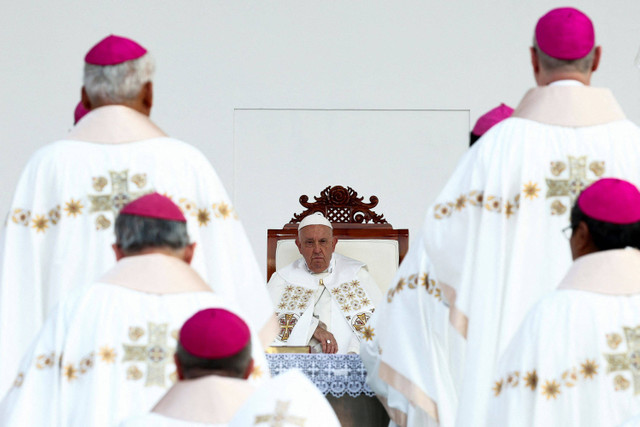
<point x="117" y="84"/>
<point x="136" y="233"/>
<point x="582" y="65"/>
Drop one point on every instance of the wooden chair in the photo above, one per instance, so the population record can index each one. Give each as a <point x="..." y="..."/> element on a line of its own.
<point x="362" y="234"/>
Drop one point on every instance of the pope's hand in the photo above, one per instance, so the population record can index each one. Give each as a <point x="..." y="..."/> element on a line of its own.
<point x="326" y="338"/>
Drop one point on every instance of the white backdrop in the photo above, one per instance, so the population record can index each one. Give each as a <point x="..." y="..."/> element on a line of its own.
<point x="217" y="57"/>
<point x="403" y="157"/>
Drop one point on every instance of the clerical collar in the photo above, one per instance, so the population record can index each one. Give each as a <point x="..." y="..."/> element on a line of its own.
<point x="567" y="82"/>
<point x="328" y="271"/>
<point x="612" y="272"/>
<point x="115" y="124"/>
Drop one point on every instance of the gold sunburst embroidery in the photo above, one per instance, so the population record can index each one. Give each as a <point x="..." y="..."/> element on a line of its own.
<point x="497" y="387"/>
<point x="531" y="380"/>
<point x="40" y="223"/>
<point x="550" y="389"/>
<point x="107" y="354"/>
<point x="70" y="372"/>
<point x="509" y="209"/>
<point x="461" y="202"/>
<point x="589" y="368"/>
<point x="73" y="208"/>
<point x="223" y="210"/>
<point x="203" y="217"/>
<point x="368" y="333"/>
<point x="400" y="285"/>
<point x="531" y="190"/>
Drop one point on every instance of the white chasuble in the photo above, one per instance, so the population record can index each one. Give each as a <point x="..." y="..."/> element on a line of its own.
<point x="343" y="299"/>
<point x="575" y="358"/>
<point x="289" y="399"/>
<point x="106" y="351"/>
<point x="490" y="247"/>
<point x="59" y="231"/>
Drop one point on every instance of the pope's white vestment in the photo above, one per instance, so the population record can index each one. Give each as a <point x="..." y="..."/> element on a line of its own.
<point x="341" y="300"/>
<point x="491" y="247"/>
<point x="574" y="360"/>
<point x="106" y="352"/>
<point x="59" y="231"/>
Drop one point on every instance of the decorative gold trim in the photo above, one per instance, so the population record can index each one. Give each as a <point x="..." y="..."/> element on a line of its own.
<point x="491" y="203"/>
<point x="550" y="388"/>
<point x="415" y="281"/>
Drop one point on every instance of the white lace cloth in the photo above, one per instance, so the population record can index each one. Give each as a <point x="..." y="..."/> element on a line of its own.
<point x="331" y="373"/>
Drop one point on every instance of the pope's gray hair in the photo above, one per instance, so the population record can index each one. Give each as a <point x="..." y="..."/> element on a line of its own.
<point x="117" y="84"/>
<point x="135" y="233"/>
<point x="549" y="63"/>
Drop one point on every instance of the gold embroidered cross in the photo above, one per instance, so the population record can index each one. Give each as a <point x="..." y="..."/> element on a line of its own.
<point x="156" y="354"/>
<point x="287" y="322"/>
<point x="119" y="197"/>
<point x="629" y="361"/>
<point x="280" y="418"/>
<point x="572" y="186"/>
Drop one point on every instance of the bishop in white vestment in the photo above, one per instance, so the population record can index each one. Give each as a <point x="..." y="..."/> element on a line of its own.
<point x="60" y="228"/>
<point x="106" y="352"/>
<point x="323" y="299"/>
<point x="213" y="360"/>
<point x="573" y="361"/>
<point x="491" y="244"/>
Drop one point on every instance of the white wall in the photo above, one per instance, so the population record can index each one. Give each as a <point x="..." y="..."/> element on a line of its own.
<point x="214" y="57"/>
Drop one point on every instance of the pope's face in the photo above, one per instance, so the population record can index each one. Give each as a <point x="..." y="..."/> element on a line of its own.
<point x="316" y="244"/>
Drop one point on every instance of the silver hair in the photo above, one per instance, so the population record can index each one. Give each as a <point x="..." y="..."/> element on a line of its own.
<point x="117" y="84"/>
<point x="549" y="63"/>
<point x="135" y="233"/>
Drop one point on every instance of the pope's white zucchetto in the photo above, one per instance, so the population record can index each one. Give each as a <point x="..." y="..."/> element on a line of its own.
<point x="314" y="219"/>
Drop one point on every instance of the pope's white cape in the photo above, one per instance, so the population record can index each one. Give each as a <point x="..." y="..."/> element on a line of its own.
<point x="572" y="360"/>
<point x="492" y="246"/>
<point x="106" y="352"/>
<point x="59" y="231"/>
